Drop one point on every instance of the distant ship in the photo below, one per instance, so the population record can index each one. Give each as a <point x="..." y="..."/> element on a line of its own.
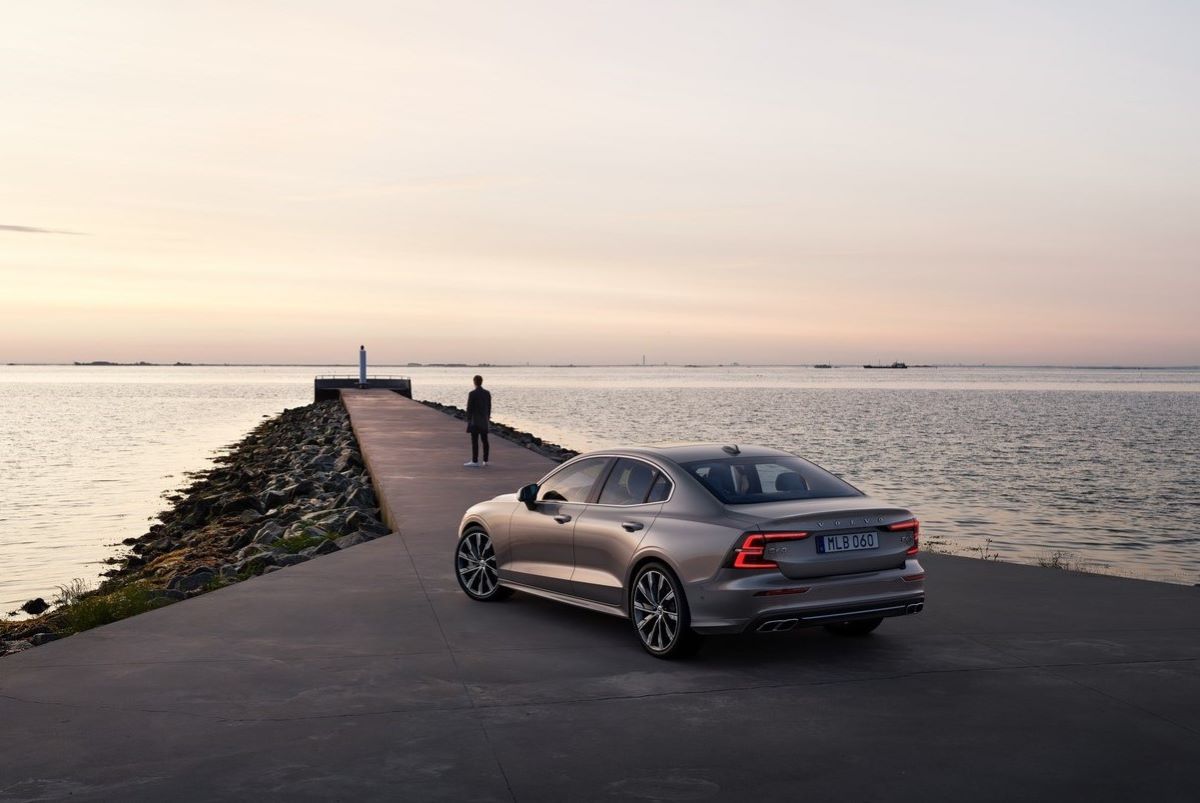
<point x="823" y="365"/>
<point x="893" y="365"/>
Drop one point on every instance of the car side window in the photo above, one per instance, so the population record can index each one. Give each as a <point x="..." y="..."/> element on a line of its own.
<point x="574" y="483"/>
<point x="660" y="490"/>
<point x="628" y="483"/>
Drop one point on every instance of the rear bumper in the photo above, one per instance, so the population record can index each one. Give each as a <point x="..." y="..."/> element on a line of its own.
<point x="784" y="620"/>
<point x="736" y="602"/>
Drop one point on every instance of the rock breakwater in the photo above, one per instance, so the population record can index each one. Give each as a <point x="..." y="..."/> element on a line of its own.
<point x="294" y="489"/>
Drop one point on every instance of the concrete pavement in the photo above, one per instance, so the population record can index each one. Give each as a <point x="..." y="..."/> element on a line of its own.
<point x="367" y="674"/>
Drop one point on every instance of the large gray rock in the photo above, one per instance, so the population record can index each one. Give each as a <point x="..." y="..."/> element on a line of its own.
<point x="336" y="484"/>
<point x="239" y="503"/>
<point x="157" y="547"/>
<point x="353" y="539"/>
<point x="291" y="560"/>
<point x="269" y="533"/>
<point x="272" y="499"/>
<point x="246" y="552"/>
<point x="323" y="548"/>
<point x="191" y="582"/>
<point x="367" y="518"/>
<point x="298" y="489"/>
<point x="375" y="527"/>
<point x="307" y="528"/>
<point x="346" y="461"/>
<point x="335" y="522"/>
<point x="42" y="638"/>
<point x="358" y="496"/>
<point x="249" y="516"/>
<point x="257" y="562"/>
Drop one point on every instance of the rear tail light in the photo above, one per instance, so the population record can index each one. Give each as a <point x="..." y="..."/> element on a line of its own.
<point x="915" y="527"/>
<point x="748" y="554"/>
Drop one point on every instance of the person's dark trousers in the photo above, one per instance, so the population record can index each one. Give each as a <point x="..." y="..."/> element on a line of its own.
<point x="475" y="437"/>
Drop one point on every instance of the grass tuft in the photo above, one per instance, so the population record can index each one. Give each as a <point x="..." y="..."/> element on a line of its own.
<point x="79" y="609"/>
<point x="1069" y="562"/>
<point x="1059" y="559"/>
<point x="71" y="593"/>
<point x="985" y="551"/>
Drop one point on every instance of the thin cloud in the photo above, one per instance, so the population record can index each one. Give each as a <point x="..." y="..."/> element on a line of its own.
<point x="420" y="185"/>
<point x="36" y="230"/>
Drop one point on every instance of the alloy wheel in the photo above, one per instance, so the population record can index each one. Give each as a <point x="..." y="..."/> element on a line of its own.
<point x="656" y="610"/>
<point x="476" y="565"/>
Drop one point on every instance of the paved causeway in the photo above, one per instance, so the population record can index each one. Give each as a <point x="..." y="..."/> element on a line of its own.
<point x="368" y="675"/>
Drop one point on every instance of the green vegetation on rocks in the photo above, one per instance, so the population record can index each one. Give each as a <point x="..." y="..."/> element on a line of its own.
<point x="83" y="610"/>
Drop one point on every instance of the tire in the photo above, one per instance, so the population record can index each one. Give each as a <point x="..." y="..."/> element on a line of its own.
<point x="475" y="567"/>
<point x="859" y="627"/>
<point x="659" y="612"/>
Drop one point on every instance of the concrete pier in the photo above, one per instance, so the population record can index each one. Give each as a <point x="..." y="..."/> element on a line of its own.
<point x="327" y="388"/>
<point x="367" y="674"/>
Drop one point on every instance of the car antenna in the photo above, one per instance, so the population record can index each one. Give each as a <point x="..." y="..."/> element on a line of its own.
<point x="731" y="449"/>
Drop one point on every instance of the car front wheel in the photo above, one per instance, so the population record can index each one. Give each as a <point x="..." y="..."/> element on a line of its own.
<point x="659" y="611"/>
<point x="475" y="567"/>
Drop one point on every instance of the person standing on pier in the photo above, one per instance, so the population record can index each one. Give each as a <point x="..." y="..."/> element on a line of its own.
<point x="479" y="419"/>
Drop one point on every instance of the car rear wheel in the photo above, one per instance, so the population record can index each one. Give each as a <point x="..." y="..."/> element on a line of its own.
<point x="475" y="567"/>
<point x="659" y="611"/>
<point x="859" y="627"/>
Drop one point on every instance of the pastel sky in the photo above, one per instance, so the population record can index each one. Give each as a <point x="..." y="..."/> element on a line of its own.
<point x="590" y="182"/>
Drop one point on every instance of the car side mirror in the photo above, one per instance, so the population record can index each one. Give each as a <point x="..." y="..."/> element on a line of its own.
<point x="528" y="495"/>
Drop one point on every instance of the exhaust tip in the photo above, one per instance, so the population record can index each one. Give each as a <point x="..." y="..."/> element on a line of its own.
<point x="915" y="607"/>
<point x="777" y="625"/>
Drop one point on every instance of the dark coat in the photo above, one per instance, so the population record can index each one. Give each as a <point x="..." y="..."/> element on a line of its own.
<point x="479" y="410"/>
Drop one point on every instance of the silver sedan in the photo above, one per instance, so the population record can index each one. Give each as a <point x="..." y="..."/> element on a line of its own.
<point x="692" y="540"/>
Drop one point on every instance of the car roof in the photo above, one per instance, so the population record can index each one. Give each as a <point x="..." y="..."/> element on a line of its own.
<point x="688" y="452"/>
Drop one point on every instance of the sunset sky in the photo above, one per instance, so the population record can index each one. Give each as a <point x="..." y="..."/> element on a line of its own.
<point x="590" y="182"/>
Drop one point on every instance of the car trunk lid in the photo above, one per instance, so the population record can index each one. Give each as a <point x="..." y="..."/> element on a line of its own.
<point x="838" y="538"/>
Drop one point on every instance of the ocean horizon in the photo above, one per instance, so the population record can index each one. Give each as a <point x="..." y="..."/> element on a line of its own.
<point x="458" y="364"/>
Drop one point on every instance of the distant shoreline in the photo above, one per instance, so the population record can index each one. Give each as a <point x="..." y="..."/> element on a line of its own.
<point x="858" y="366"/>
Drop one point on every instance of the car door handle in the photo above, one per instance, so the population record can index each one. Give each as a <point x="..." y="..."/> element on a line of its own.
<point x="631" y="526"/>
<point x="562" y="518"/>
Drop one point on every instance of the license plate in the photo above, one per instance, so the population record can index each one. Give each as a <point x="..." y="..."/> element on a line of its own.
<point x="851" y="542"/>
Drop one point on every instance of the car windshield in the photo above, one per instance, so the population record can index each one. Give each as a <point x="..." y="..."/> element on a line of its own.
<point x="775" y="478"/>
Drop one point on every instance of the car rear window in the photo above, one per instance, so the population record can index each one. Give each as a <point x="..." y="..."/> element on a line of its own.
<point x="750" y="480"/>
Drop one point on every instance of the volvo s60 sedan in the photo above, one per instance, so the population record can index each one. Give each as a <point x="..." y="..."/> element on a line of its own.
<point x="686" y="541"/>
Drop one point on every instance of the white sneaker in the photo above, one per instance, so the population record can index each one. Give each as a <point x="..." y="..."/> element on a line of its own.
<point x="471" y="464"/>
<point x="485" y="464"/>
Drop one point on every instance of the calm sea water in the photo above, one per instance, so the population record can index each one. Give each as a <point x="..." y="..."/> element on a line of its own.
<point x="1020" y="463"/>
